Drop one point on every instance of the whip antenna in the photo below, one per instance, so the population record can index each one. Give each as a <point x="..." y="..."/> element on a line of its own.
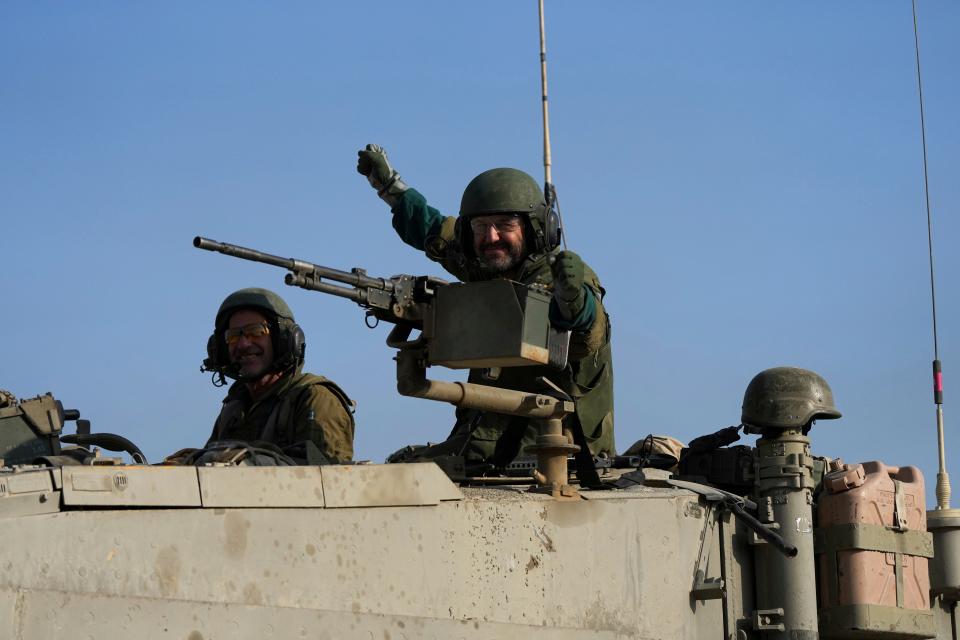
<point x="943" y="479"/>
<point x="549" y="192"/>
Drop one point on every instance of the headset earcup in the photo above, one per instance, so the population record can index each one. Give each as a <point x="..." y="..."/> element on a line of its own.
<point x="290" y="345"/>
<point x="213" y="360"/>
<point x="533" y="232"/>
<point x="552" y="231"/>
<point x="298" y="345"/>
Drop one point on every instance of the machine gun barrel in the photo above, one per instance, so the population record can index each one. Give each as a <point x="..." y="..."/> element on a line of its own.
<point x="298" y="280"/>
<point x="301" y="270"/>
<point x="242" y="252"/>
<point x="397" y="299"/>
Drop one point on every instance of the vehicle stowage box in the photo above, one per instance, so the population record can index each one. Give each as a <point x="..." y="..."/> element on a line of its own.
<point x="872" y="547"/>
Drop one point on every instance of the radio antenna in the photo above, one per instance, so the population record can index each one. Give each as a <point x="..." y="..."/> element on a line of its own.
<point x="549" y="192"/>
<point x="943" y="479"/>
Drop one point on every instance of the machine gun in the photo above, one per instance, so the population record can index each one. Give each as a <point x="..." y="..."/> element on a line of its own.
<point x="486" y="325"/>
<point x="397" y="300"/>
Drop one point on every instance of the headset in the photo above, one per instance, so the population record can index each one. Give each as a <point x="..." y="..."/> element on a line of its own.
<point x="289" y="346"/>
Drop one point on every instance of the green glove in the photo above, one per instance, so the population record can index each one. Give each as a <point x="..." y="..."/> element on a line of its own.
<point x="373" y="164"/>
<point x="568" y="290"/>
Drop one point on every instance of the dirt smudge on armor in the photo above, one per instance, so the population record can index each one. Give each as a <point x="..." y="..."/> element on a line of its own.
<point x="598" y="617"/>
<point x="19" y="610"/>
<point x="252" y="595"/>
<point x="533" y="563"/>
<point x="235" y="534"/>
<point x="544" y="537"/>
<point x="167" y="570"/>
<point x="573" y="514"/>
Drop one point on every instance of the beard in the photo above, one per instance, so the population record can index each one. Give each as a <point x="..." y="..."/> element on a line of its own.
<point x="498" y="264"/>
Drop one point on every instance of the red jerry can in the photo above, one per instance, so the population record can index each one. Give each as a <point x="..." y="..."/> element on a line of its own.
<point x="872" y="549"/>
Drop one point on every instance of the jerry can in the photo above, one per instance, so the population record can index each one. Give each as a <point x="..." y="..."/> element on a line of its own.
<point x="872" y="548"/>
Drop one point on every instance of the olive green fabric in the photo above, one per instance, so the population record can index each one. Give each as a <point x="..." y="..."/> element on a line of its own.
<point x="569" y="293"/>
<point x="372" y="162"/>
<point x="297" y="408"/>
<point x="588" y="376"/>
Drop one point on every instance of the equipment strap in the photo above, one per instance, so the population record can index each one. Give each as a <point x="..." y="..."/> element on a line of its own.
<point x="586" y="469"/>
<point x="872" y="537"/>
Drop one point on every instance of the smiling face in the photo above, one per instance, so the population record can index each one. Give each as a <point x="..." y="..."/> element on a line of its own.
<point x="498" y="242"/>
<point x="253" y="354"/>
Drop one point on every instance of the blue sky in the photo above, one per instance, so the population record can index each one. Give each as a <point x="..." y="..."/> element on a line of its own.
<point x="745" y="177"/>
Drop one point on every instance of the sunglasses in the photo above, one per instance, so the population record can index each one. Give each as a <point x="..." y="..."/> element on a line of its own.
<point x="259" y="330"/>
<point x="480" y="227"/>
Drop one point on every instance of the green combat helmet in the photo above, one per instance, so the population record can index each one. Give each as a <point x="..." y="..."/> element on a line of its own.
<point x="786" y="398"/>
<point x="506" y="190"/>
<point x="289" y="344"/>
<point x="256" y="298"/>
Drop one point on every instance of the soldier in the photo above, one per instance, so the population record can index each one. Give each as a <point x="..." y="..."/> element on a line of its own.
<point x="506" y="230"/>
<point x="257" y="342"/>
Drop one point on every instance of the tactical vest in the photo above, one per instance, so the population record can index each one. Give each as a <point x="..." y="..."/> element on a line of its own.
<point x="277" y="424"/>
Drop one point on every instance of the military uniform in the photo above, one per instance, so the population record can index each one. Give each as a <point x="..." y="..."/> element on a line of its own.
<point x="298" y="408"/>
<point x="301" y="413"/>
<point x="495" y="438"/>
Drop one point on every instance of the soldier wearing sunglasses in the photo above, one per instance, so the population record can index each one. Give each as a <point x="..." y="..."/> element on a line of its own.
<point x="257" y="343"/>
<point x="505" y="229"/>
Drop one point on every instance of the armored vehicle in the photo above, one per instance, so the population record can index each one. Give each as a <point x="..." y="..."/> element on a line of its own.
<point x="720" y="541"/>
